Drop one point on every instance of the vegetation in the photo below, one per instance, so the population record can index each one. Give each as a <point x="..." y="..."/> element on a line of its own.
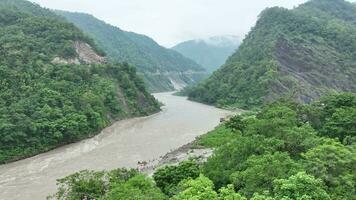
<point x="43" y="104"/>
<point x="284" y="151"/>
<point x="112" y="185"/>
<point x="210" y="53"/>
<point x="294" y="53"/>
<point x="157" y="64"/>
<point x="280" y="145"/>
<point x="168" y="178"/>
<point x="279" y="153"/>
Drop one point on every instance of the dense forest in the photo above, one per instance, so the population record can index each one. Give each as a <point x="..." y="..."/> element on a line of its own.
<point x="44" y="103"/>
<point x="157" y="64"/>
<point x="286" y="151"/>
<point x="301" y="53"/>
<point x="210" y="53"/>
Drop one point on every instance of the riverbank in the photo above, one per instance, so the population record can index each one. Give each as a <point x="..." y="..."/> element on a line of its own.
<point x="174" y="157"/>
<point x="123" y="144"/>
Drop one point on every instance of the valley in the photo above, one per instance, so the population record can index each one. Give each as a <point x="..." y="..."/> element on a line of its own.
<point x="123" y="144"/>
<point x="196" y="105"/>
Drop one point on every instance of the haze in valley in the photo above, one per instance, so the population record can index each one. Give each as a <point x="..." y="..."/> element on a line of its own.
<point x="174" y="21"/>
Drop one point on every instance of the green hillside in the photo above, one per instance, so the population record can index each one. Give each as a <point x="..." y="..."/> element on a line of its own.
<point x="287" y="151"/>
<point x="301" y="53"/>
<point x="55" y="86"/>
<point x="157" y="64"/>
<point x="210" y="53"/>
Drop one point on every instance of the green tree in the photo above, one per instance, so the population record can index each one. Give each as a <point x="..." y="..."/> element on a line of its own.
<point x="335" y="164"/>
<point x="168" y="178"/>
<point x="138" y="187"/>
<point x="260" y="172"/>
<point x="82" y="185"/>
<point x="200" y="188"/>
<point x="341" y="124"/>
<point x="228" y="193"/>
<point x="300" y="187"/>
<point x="236" y="123"/>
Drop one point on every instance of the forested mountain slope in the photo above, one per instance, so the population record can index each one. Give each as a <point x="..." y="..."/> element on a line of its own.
<point x="210" y="53"/>
<point x="300" y="53"/>
<point x="161" y="68"/>
<point x="55" y="85"/>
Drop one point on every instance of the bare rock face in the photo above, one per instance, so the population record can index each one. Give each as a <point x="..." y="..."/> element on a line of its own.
<point x="58" y="60"/>
<point x="85" y="55"/>
<point x="310" y="72"/>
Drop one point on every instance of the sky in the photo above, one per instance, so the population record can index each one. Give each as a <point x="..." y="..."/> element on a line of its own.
<point x="172" y="21"/>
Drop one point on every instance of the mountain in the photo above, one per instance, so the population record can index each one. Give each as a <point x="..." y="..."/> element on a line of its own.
<point x="56" y="85"/>
<point x="210" y="53"/>
<point x="163" y="69"/>
<point x="301" y="53"/>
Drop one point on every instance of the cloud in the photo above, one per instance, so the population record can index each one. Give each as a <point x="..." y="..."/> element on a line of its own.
<point x="173" y="21"/>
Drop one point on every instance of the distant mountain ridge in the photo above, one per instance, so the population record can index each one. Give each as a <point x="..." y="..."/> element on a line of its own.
<point x="163" y="69"/>
<point x="301" y="53"/>
<point x="211" y="52"/>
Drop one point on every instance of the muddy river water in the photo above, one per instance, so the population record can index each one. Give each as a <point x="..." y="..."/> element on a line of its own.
<point x="121" y="145"/>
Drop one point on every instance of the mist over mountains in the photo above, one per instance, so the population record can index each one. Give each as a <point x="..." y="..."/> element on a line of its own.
<point x="211" y="52"/>
<point x="162" y="69"/>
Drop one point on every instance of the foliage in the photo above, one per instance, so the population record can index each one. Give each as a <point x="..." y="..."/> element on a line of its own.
<point x="217" y="137"/>
<point x="228" y="193"/>
<point x="198" y="189"/>
<point x="151" y="60"/>
<point x="236" y="123"/>
<point x="136" y="188"/>
<point x="280" y="141"/>
<point x="334" y="115"/>
<point x="300" y="186"/>
<point x="278" y="155"/>
<point x="297" y="187"/>
<point x="119" y="184"/>
<point x="201" y="188"/>
<point x="335" y="164"/>
<point x="90" y="184"/>
<point x="297" y="53"/>
<point x="168" y="178"/>
<point x="43" y="104"/>
<point x="259" y="172"/>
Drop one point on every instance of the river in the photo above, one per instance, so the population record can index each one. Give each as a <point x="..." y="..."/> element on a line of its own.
<point x="121" y="145"/>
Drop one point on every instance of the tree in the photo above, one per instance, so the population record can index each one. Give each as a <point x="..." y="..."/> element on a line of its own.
<point x="138" y="187"/>
<point x="260" y="172"/>
<point x="91" y="185"/>
<point x="199" y="189"/>
<point x="335" y="164"/>
<point x="334" y="115"/>
<point x="228" y="193"/>
<point x="341" y="124"/>
<point x="236" y="123"/>
<point x="168" y="178"/>
<point x="82" y="185"/>
<point x="300" y="187"/>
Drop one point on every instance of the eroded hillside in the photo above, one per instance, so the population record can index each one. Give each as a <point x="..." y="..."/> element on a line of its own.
<point x="301" y="53"/>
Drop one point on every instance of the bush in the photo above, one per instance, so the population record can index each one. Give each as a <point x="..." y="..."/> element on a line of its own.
<point x="168" y="178"/>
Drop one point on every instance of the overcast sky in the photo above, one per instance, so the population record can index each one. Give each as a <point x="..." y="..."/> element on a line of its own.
<point x="172" y="21"/>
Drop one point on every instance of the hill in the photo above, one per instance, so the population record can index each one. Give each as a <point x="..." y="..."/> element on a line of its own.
<point x="163" y="69"/>
<point x="210" y="53"/>
<point x="301" y="53"/>
<point x="56" y="85"/>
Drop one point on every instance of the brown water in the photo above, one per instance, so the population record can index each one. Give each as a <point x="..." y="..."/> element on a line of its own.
<point x="121" y="145"/>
